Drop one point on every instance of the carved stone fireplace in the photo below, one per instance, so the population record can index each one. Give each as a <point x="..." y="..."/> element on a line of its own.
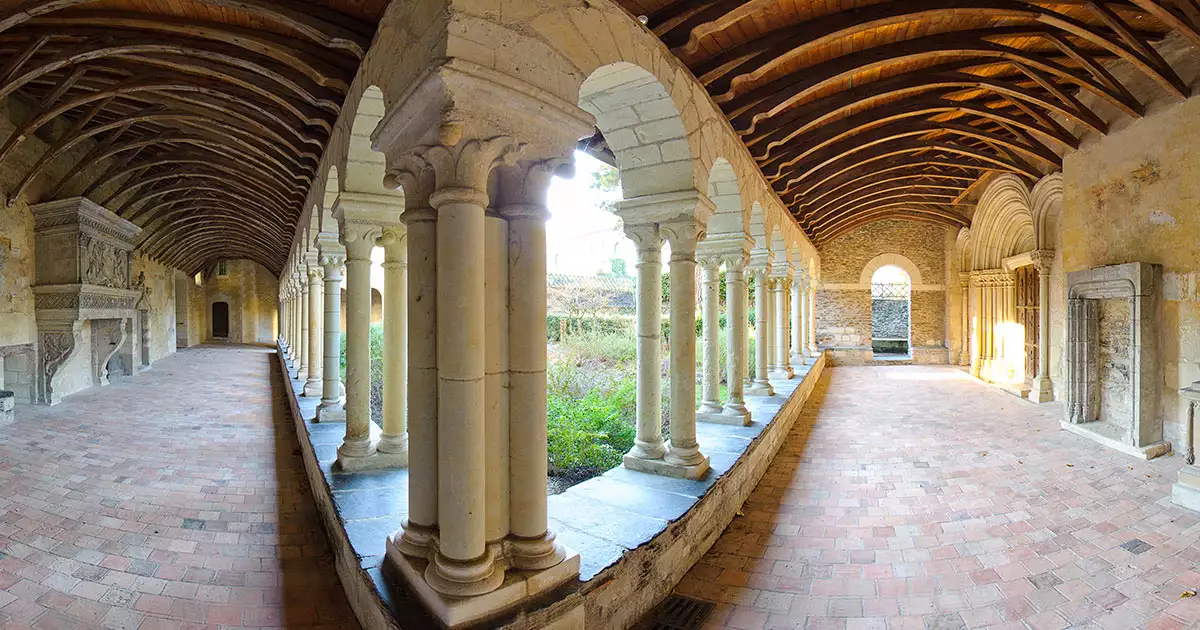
<point x="1112" y="357"/>
<point x="82" y="285"/>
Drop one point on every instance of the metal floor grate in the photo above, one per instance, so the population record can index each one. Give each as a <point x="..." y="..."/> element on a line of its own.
<point x="680" y="613"/>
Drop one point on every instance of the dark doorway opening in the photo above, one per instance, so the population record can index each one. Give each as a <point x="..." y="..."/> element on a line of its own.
<point x="220" y="319"/>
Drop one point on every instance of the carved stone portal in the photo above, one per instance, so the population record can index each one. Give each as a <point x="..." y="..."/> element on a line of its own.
<point x="1112" y="357"/>
<point x="84" y="259"/>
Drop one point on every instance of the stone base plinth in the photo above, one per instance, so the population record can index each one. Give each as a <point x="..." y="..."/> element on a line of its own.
<point x="727" y="416"/>
<point x="518" y="588"/>
<point x="665" y="468"/>
<point x="8" y="404"/>
<point x="1042" y="391"/>
<point x="333" y="413"/>
<point x="378" y="460"/>
<point x="758" y="389"/>
<point x="1149" y="451"/>
<point x="312" y="390"/>
<point x="783" y="375"/>
<point x="1186" y="490"/>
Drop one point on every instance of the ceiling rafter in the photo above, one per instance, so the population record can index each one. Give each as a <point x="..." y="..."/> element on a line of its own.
<point x="857" y="111"/>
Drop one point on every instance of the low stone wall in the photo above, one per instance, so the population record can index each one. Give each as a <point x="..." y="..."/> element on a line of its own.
<point x="858" y="355"/>
<point x="620" y="595"/>
<point x="930" y="355"/>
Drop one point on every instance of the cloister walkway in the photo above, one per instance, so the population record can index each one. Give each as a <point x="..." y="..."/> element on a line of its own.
<point x="916" y="497"/>
<point x="175" y="500"/>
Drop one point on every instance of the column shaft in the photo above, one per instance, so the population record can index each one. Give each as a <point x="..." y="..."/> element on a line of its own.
<point x="395" y="351"/>
<point x="331" y="383"/>
<point x="312" y="386"/>
<point x="304" y="317"/>
<point x="649" y="441"/>
<point x="358" y="344"/>
<point x="683" y="449"/>
<point x="1043" y="387"/>
<point x="797" y="321"/>
<point x="812" y="318"/>
<point x="496" y="384"/>
<point x="711" y="403"/>
<point x="735" y="330"/>
<point x="422" y="382"/>
<point x="782" y="359"/>
<point x="762" y="386"/>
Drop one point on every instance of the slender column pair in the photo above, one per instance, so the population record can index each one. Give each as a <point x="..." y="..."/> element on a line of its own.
<point x="332" y="258"/>
<point x="762" y="342"/>
<point x="316" y="292"/>
<point x="302" y="369"/>
<point x="682" y="456"/>
<point x="733" y="411"/>
<point x="783" y="365"/>
<point x="964" y="283"/>
<point x="811" y="329"/>
<point x="478" y="446"/>
<point x="797" y="322"/>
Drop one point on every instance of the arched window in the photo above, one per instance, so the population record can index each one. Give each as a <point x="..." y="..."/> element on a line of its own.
<point x="891" y="311"/>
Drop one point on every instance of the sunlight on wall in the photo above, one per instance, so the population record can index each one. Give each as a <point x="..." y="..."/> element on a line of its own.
<point x="1008" y="366"/>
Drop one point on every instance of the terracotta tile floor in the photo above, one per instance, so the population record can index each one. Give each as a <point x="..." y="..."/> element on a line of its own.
<point x="914" y="497"/>
<point x="175" y="500"/>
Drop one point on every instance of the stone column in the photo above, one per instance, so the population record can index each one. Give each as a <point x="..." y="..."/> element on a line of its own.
<point x="1043" y="387"/>
<point x="421" y="222"/>
<point x="524" y="190"/>
<point x="496" y="374"/>
<point x="649" y="444"/>
<point x="762" y="385"/>
<point x="797" y="306"/>
<point x="964" y="283"/>
<point x="333" y="257"/>
<point x="710" y="404"/>
<point x="297" y="315"/>
<point x="463" y="564"/>
<point x="312" y="385"/>
<point x="783" y="363"/>
<point x="394" y="440"/>
<point x="302" y="370"/>
<point x="358" y="240"/>
<point x="813" y="350"/>
<point x="683" y="451"/>
<point x="735" y="329"/>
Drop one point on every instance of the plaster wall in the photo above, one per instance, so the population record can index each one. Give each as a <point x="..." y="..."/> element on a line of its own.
<point x="160" y="302"/>
<point x="1131" y="197"/>
<point x="251" y="292"/>
<point x="844" y="301"/>
<point x="17" y="325"/>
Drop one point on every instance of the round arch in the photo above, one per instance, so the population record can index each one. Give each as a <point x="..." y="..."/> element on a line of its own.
<point x="1046" y="198"/>
<point x="895" y="260"/>
<point x="643" y="128"/>
<point x="1003" y="223"/>
<point x="725" y="193"/>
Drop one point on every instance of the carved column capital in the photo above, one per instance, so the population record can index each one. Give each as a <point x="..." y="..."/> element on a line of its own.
<point x="523" y="187"/>
<point x="414" y="177"/>
<point x="711" y="263"/>
<point x="461" y="169"/>
<point x="646" y="238"/>
<point x="735" y="261"/>
<point x="359" y="239"/>
<point x="394" y="241"/>
<point x="315" y="274"/>
<point x="1042" y="260"/>
<point x="683" y="234"/>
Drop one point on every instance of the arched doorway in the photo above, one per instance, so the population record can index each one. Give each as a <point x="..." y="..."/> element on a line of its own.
<point x="220" y="320"/>
<point x="891" y="312"/>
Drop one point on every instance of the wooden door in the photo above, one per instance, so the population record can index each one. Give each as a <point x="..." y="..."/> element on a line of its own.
<point x="1027" y="315"/>
<point x="220" y="319"/>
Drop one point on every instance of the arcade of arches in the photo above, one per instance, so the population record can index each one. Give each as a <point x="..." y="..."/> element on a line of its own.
<point x="224" y="173"/>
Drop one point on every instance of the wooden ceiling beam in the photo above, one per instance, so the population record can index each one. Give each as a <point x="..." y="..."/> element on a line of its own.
<point x="913" y="214"/>
<point x="899" y="165"/>
<point x="883" y="210"/>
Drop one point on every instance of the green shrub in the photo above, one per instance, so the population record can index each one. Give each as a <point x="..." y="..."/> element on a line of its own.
<point x="589" y="432"/>
<point x="592" y="324"/>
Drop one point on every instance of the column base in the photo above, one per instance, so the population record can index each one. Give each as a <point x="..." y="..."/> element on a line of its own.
<point x="517" y="587"/>
<point x="355" y="449"/>
<point x="378" y="460"/>
<point x="783" y="374"/>
<point x="798" y="358"/>
<point x="330" y="413"/>
<point x="1186" y="490"/>
<point x="312" y="389"/>
<point x="1043" y="390"/>
<point x="1149" y="451"/>
<point x="814" y="351"/>
<point x="760" y="389"/>
<point x="665" y="468"/>
<point x="729" y="416"/>
<point x="646" y="450"/>
<point x="710" y="407"/>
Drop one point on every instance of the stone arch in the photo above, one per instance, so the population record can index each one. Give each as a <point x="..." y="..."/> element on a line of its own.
<point x="1003" y="222"/>
<point x="724" y="192"/>
<point x="895" y="260"/>
<point x="760" y="227"/>
<point x="962" y="249"/>
<point x="364" y="168"/>
<point x="642" y="126"/>
<point x="332" y="188"/>
<point x="1047" y="198"/>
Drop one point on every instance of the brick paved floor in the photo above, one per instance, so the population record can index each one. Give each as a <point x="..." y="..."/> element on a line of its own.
<point x="914" y="497"/>
<point x="175" y="500"/>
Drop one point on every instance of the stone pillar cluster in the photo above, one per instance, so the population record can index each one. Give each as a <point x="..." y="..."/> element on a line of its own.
<point x="476" y="261"/>
<point x="995" y="310"/>
<point x="1043" y="388"/>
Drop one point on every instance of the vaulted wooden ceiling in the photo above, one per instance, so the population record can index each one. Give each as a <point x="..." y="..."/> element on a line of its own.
<point x="861" y="110"/>
<point x="203" y="121"/>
